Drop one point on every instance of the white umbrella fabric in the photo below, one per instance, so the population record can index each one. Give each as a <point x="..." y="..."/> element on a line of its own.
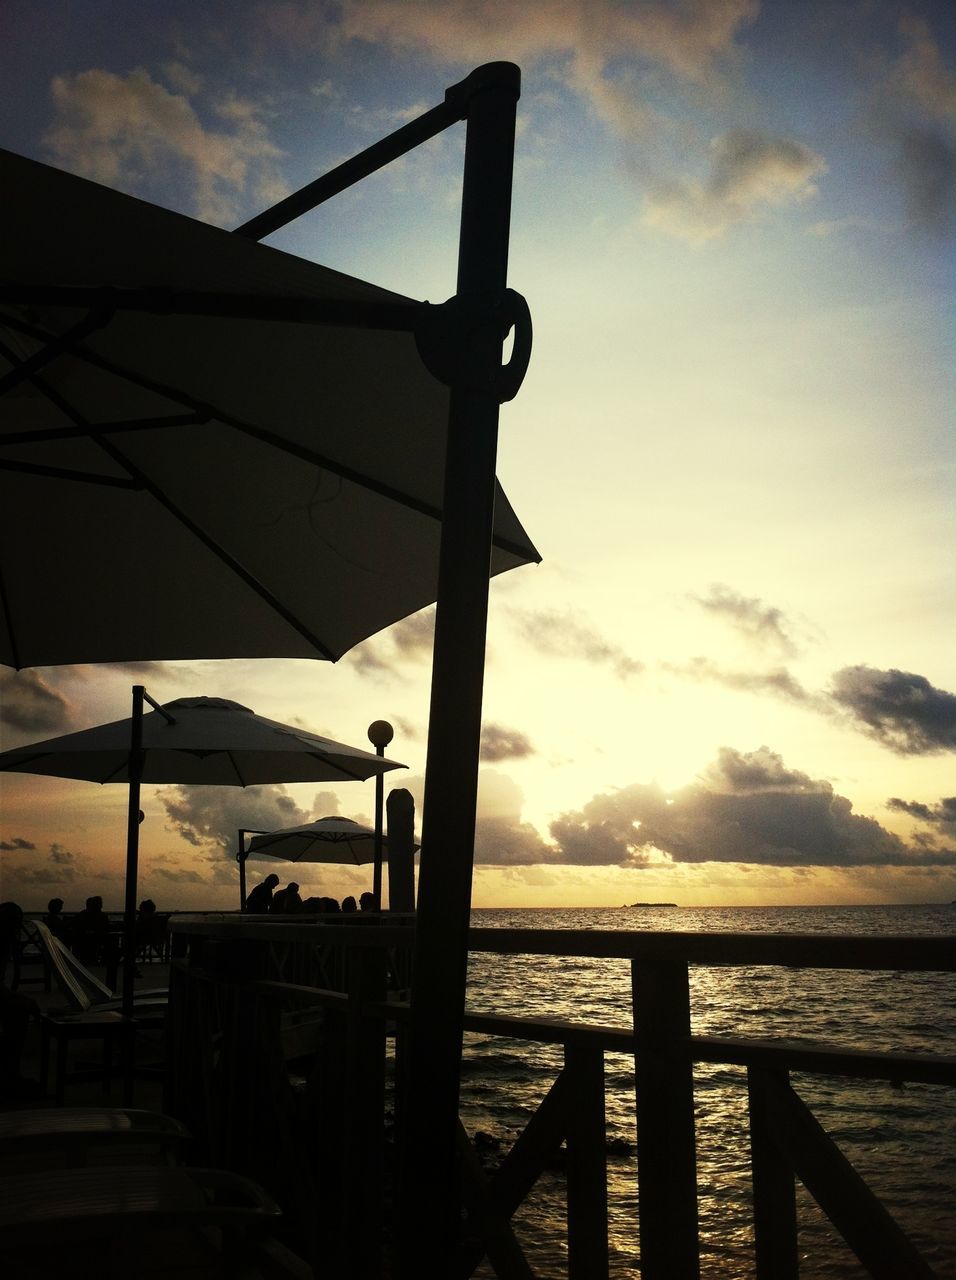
<point x="247" y="446"/>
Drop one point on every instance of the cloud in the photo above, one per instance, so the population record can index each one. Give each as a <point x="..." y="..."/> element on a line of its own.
<point x="764" y="625"/>
<point x="501" y="743"/>
<point x="59" y="867"/>
<point x="746" y="808"/>
<point x="688" y="39"/>
<point x="412" y="639"/>
<point x="751" y="171"/>
<point x="206" y="816"/>
<point x="915" y="113"/>
<point x="501" y="838"/>
<point x="18" y="842"/>
<point x="901" y="710"/>
<point x="119" y="130"/>
<point x="921" y="75"/>
<point x="29" y="703"/>
<point x="777" y="682"/>
<point x="926" y="167"/>
<point x="561" y="635"/>
<point x="942" y="815"/>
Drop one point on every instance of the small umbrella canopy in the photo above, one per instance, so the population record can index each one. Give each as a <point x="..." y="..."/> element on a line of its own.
<point x="221" y="470"/>
<point x="211" y="742"/>
<point x="327" y="840"/>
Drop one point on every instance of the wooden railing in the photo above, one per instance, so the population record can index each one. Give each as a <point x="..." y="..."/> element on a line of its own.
<point x="234" y="1008"/>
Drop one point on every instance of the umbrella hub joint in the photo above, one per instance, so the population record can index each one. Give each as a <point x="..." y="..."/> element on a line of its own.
<point x="452" y="340"/>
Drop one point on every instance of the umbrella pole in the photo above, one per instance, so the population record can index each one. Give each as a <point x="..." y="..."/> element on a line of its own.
<point x="132" y="848"/>
<point x="430" y="1214"/>
<point x="380" y="734"/>
<point x="241" y="859"/>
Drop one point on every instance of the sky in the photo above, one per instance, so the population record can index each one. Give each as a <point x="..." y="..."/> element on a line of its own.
<point x="731" y="679"/>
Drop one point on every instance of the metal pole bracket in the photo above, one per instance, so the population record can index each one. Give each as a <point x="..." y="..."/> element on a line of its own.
<point x="446" y="336"/>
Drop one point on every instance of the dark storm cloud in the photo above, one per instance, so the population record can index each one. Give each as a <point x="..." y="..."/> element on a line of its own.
<point x="942" y="814"/>
<point x="8" y="846"/>
<point x="900" y="709"/>
<point x="30" y="703"/>
<point x="746" y="808"/>
<point x="762" y="624"/>
<point x="562" y="635"/>
<point x="214" y="815"/>
<point x="778" y="682"/>
<point x="501" y="743"/>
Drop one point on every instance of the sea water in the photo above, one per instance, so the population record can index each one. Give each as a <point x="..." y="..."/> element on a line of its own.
<point x="901" y="1140"/>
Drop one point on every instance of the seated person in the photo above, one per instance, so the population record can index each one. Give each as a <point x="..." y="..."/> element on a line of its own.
<point x="91" y="929"/>
<point x="259" y="900"/>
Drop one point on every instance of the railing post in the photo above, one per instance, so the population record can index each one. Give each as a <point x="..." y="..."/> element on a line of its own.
<point x="363" y="1104"/>
<point x="666" y="1148"/>
<point x="587" y="1164"/>
<point x="775" y="1203"/>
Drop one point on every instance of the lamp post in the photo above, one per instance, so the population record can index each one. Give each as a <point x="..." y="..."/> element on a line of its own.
<point x="380" y="734"/>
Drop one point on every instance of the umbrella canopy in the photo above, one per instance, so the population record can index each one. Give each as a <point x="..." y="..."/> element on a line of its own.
<point x="332" y="839"/>
<point x="209" y="741"/>
<point x="247" y="446"/>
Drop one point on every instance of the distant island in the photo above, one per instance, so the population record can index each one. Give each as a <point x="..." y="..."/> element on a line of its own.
<point x="627" y="906"/>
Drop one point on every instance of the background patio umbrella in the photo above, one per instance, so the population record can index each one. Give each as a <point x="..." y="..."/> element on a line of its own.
<point x="190" y="741"/>
<point x="332" y="840"/>
<point x="169" y="404"/>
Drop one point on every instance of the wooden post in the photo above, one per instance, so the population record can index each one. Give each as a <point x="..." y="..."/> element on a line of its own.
<point x="775" y="1204"/>
<point x="666" y="1149"/>
<point x="587" y="1164"/>
<point x="363" y="1104"/>
<point x="400" y="808"/>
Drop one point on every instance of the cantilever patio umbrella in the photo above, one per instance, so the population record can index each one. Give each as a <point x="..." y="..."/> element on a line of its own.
<point x="161" y="380"/>
<point x="192" y="741"/>
<point x="230" y="451"/>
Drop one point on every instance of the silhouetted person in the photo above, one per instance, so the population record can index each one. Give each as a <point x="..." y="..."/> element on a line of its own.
<point x="16" y="1009"/>
<point x="260" y="898"/>
<point x="55" y="920"/>
<point x="349" y="904"/>
<point x="367" y="902"/>
<point x="331" y="905"/>
<point x="91" y="929"/>
<point x="150" y="929"/>
<point x="287" y="901"/>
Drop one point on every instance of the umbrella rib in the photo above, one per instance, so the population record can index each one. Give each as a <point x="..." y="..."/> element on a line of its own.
<point x="143" y="482"/>
<point x="267" y="437"/>
<point x="401" y="317"/>
<point x="79" y="431"/>
<point x="61" y="473"/>
<point x="236" y="769"/>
